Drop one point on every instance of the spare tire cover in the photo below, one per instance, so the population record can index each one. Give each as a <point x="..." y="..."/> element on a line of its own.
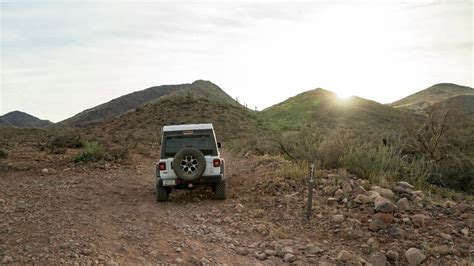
<point x="189" y="163"/>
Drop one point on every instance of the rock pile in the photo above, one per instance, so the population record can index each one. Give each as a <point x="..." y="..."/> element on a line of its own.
<point x="400" y="214"/>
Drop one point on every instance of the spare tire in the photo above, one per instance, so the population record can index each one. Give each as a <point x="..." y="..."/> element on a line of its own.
<point x="189" y="164"/>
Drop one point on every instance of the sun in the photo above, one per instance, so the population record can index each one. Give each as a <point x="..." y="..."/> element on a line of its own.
<point x="343" y="95"/>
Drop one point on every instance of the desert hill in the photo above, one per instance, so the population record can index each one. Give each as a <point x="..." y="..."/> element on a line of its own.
<point x="432" y="95"/>
<point x="129" y="102"/>
<point x="324" y="108"/>
<point x="4" y="123"/>
<point x="22" y="119"/>
<point x="143" y="125"/>
<point x="463" y="104"/>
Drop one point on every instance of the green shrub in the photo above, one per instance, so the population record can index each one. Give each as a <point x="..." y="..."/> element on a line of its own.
<point x="382" y="164"/>
<point x="290" y="177"/>
<point x="294" y="171"/>
<point x="120" y="153"/>
<point x="3" y="154"/>
<point x="59" y="144"/>
<point x="331" y="149"/>
<point x="91" y="152"/>
<point x="416" y="171"/>
<point x="454" y="172"/>
<point x="302" y="146"/>
<point x="374" y="164"/>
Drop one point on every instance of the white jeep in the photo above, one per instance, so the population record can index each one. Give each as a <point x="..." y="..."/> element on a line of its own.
<point x="189" y="156"/>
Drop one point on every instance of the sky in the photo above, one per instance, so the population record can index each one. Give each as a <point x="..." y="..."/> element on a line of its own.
<point x="59" y="58"/>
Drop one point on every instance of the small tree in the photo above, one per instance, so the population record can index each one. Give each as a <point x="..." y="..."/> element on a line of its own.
<point x="439" y="140"/>
<point x="428" y="139"/>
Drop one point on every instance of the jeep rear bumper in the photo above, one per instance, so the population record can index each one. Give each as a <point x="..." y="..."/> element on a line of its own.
<point x="201" y="180"/>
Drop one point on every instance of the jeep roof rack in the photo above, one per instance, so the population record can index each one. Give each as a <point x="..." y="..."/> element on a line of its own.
<point x="187" y="127"/>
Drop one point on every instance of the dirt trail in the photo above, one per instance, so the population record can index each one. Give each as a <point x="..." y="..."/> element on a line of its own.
<point x="111" y="215"/>
<point x="107" y="214"/>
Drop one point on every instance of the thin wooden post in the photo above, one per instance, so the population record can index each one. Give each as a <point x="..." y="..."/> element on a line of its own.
<point x="310" y="193"/>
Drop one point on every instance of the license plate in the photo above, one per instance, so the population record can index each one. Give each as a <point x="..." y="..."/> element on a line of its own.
<point x="171" y="182"/>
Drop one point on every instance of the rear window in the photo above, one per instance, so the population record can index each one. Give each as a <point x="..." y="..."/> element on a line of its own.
<point x="204" y="143"/>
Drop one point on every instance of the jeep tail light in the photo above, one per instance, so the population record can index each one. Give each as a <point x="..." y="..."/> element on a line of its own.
<point x="162" y="166"/>
<point x="216" y="162"/>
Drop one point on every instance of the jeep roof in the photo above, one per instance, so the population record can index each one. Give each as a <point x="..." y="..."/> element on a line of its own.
<point x="187" y="127"/>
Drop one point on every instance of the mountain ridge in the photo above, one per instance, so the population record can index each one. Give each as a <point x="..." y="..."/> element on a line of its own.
<point x="22" y="119"/>
<point x="322" y="107"/>
<point x="131" y="101"/>
<point x="431" y="95"/>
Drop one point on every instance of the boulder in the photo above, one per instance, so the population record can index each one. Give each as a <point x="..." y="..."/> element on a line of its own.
<point x="403" y="204"/>
<point x="358" y="190"/>
<point x="380" y="221"/>
<point x="385" y="205"/>
<point x="339" y="194"/>
<point x="285" y="250"/>
<point x="330" y="189"/>
<point x="242" y="251"/>
<point x="346" y="188"/>
<point x="331" y="201"/>
<point x="446" y="236"/>
<point x="401" y="190"/>
<point x="392" y="255"/>
<point x="338" y="218"/>
<point x="418" y="194"/>
<point x="396" y="231"/>
<point x="463" y="207"/>
<point x="384" y="192"/>
<point x="289" y="258"/>
<point x="372" y="194"/>
<point x="441" y="250"/>
<point x="260" y="255"/>
<point x="420" y="220"/>
<point x="405" y="184"/>
<point x="270" y="252"/>
<point x="414" y="256"/>
<point x="378" y="259"/>
<point x="348" y="257"/>
<point x="363" y="199"/>
<point x="314" y="249"/>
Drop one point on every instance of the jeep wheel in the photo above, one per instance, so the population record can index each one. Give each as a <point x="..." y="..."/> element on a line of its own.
<point x="162" y="194"/>
<point x="189" y="164"/>
<point x="220" y="190"/>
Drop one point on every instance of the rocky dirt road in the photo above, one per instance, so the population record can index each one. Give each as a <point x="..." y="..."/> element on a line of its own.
<point x="107" y="214"/>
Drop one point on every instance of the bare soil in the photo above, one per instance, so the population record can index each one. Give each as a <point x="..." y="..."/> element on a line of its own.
<point x="107" y="213"/>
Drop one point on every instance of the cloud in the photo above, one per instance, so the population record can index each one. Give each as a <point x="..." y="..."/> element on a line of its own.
<point x="61" y="58"/>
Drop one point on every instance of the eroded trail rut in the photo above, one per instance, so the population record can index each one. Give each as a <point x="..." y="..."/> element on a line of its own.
<point x="108" y="214"/>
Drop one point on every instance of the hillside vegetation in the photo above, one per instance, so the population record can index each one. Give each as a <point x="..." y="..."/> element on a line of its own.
<point x="379" y="142"/>
<point x="198" y="89"/>
<point x="324" y="109"/>
<point x="462" y="104"/>
<point x="374" y="141"/>
<point x="22" y="119"/>
<point x="235" y="125"/>
<point x="432" y="95"/>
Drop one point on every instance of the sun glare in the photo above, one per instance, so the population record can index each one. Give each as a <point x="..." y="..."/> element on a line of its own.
<point x="343" y="95"/>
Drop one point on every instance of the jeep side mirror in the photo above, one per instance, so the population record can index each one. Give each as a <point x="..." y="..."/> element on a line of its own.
<point x="219" y="145"/>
